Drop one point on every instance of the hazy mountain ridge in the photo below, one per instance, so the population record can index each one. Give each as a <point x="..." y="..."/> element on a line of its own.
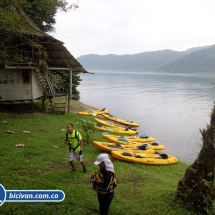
<point x="198" y="61"/>
<point x="162" y="60"/>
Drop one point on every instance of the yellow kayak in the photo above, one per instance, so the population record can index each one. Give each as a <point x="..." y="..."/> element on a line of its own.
<point x="115" y="129"/>
<point x="142" y="138"/>
<point x="107" y="122"/>
<point x="143" y="158"/>
<point x="114" y="146"/>
<point x="113" y="124"/>
<point x="122" y="121"/>
<point x="94" y="112"/>
<point x="121" y="140"/>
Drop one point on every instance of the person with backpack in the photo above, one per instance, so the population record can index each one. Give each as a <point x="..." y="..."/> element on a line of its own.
<point x="75" y="143"/>
<point x="104" y="182"/>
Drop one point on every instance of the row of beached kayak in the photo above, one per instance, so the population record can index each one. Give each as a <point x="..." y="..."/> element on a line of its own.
<point x="127" y="145"/>
<point x="135" y="149"/>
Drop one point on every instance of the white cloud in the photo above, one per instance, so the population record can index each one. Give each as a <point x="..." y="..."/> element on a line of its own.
<point x="134" y="26"/>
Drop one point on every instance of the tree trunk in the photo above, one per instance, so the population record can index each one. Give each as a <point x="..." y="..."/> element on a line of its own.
<point x="196" y="189"/>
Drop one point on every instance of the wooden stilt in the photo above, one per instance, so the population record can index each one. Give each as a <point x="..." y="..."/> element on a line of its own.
<point x="68" y="102"/>
<point x="32" y="106"/>
<point x="43" y="104"/>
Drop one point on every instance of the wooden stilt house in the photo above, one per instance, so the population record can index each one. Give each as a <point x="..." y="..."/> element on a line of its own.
<point x="27" y="61"/>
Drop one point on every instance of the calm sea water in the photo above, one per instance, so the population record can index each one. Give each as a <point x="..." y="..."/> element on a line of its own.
<point x="169" y="107"/>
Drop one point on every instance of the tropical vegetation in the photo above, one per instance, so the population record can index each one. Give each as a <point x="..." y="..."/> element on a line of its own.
<point x="42" y="13"/>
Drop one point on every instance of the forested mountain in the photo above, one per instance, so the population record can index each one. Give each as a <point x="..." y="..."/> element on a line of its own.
<point x="161" y="60"/>
<point x="141" y="61"/>
<point x="195" y="62"/>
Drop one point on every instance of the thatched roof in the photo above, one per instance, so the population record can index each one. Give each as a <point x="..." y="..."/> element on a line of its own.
<point x="58" y="55"/>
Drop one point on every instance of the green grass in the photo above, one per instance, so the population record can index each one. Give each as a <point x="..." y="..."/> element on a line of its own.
<point x="42" y="164"/>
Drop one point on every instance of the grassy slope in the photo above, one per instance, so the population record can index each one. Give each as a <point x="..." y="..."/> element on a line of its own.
<point x="42" y="164"/>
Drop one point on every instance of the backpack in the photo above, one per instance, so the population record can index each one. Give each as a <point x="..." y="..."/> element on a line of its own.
<point x="76" y="136"/>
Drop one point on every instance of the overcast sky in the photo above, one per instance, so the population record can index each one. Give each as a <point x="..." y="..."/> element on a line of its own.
<point x="134" y="26"/>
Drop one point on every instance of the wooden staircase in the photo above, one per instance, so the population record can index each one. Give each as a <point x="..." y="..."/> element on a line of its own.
<point x="55" y="106"/>
<point x="47" y="84"/>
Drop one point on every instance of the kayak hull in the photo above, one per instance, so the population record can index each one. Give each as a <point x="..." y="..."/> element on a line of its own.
<point x="124" y="122"/>
<point x="116" y="129"/>
<point x="93" y="113"/>
<point x="109" y="123"/>
<point x="113" y="124"/>
<point x="106" y="146"/>
<point x="125" y="140"/>
<point x="143" y="158"/>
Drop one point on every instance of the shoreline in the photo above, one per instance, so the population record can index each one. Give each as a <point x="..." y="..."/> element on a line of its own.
<point x="77" y="106"/>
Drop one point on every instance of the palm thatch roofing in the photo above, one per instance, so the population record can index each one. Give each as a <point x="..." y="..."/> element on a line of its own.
<point x="57" y="54"/>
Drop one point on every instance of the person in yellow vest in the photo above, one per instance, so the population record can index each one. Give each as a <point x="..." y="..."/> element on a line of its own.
<point x="75" y="143"/>
<point x="104" y="182"/>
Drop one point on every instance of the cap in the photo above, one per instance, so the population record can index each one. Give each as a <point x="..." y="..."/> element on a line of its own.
<point x="102" y="157"/>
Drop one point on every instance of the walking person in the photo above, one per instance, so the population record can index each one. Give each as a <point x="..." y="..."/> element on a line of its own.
<point x="75" y="143"/>
<point x="104" y="182"/>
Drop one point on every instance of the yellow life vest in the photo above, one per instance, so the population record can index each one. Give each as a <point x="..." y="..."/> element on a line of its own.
<point x="74" y="138"/>
<point x="100" y="179"/>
